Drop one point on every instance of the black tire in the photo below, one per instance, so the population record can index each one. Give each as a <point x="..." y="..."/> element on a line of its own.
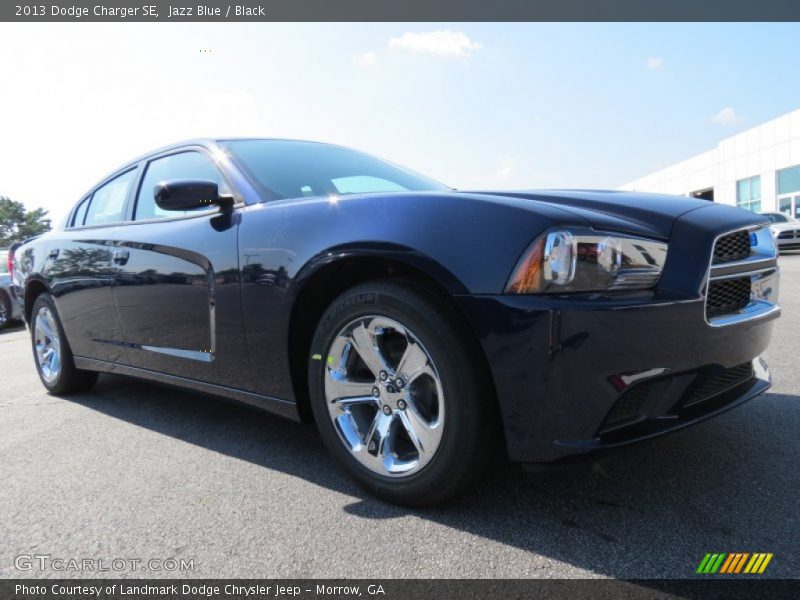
<point x="5" y="310"/>
<point x="69" y="380"/>
<point x="470" y="439"/>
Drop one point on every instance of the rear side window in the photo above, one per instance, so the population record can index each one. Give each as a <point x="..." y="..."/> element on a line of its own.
<point x="108" y="201"/>
<point x="80" y="213"/>
<point x="184" y="165"/>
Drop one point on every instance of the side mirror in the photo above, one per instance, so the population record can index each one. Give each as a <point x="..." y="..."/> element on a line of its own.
<point x="186" y="194"/>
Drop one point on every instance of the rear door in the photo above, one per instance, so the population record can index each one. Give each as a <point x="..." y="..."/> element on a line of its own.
<point x="81" y="269"/>
<point x="177" y="289"/>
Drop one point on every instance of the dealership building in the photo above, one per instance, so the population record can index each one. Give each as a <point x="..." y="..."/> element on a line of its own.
<point x="758" y="170"/>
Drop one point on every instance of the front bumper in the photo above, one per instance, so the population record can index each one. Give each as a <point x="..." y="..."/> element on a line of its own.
<point x="562" y="365"/>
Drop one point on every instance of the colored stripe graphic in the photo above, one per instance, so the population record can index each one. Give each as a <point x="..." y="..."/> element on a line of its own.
<point x="702" y="567"/>
<point x="759" y="562"/>
<point x="711" y="562"/>
<point x="734" y="562"/>
<point x="731" y="560"/>
<point x="741" y="562"/>
<point x="765" y="563"/>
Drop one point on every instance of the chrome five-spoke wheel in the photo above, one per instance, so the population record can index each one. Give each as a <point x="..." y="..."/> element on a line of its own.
<point x="47" y="344"/>
<point x="384" y="396"/>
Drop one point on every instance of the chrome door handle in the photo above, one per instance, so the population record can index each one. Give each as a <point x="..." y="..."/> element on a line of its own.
<point x="121" y="256"/>
<point x="53" y="254"/>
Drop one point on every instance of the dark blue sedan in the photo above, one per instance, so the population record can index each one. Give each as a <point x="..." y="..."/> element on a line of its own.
<point x="427" y="331"/>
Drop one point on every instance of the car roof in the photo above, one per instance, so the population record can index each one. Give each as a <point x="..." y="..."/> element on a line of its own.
<point x="209" y="143"/>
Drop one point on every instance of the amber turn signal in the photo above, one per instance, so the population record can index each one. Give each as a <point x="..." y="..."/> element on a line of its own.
<point x="527" y="277"/>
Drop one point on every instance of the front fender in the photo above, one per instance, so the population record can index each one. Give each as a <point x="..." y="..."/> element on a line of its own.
<point x="476" y="239"/>
<point x="395" y="253"/>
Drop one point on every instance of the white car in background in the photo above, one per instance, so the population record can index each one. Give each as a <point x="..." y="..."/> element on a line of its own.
<point x="786" y="230"/>
<point x="10" y="307"/>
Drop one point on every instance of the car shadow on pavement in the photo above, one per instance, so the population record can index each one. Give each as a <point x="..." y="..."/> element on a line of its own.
<point x="652" y="510"/>
<point x="12" y="327"/>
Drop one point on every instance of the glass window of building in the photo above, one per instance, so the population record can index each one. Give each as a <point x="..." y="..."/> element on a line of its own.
<point x="789" y="180"/>
<point x="788" y="184"/>
<point x="748" y="193"/>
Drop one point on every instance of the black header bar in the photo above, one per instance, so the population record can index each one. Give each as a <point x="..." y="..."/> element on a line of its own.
<point x="702" y="587"/>
<point x="175" y="11"/>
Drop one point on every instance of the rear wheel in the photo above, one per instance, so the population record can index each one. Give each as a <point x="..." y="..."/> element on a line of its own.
<point x="400" y="393"/>
<point x="52" y="354"/>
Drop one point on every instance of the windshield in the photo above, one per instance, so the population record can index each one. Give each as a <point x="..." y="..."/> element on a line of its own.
<point x="777" y="217"/>
<point x="289" y="169"/>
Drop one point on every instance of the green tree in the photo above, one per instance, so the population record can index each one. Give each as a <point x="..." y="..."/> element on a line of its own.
<point x="17" y="224"/>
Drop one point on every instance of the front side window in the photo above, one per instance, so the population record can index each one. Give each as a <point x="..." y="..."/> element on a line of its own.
<point x="184" y="165"/>
<point x="748" y="193"/>
<point x="288" y="169"/>
<point x="107" y="204"/>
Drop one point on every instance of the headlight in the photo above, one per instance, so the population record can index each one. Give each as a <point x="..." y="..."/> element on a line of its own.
<point x="562" y="261"/>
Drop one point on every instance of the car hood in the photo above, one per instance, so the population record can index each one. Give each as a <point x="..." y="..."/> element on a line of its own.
<point x="637" y="213"/>
<point x="778" y="227"/>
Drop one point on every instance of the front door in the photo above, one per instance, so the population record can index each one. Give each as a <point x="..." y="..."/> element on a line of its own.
<point x="177" y="289"/>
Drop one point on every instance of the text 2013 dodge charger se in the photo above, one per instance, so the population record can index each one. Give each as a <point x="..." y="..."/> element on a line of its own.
<point x="425" y="330"/>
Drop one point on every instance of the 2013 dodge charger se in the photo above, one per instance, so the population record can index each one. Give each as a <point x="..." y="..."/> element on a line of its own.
<point x="427" y="331"/>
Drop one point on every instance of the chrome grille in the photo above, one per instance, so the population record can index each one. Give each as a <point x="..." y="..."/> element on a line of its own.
<point x="733" y="246"/>
<point x="743" y="277"/>
<point x="728" y="295"/>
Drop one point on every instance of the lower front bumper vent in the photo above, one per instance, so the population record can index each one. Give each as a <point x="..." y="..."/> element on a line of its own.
<point x="728" y="296"/>
<point x="715" y="385"/>
<point x="705" y="390"/>
<point x="628" y="408"/>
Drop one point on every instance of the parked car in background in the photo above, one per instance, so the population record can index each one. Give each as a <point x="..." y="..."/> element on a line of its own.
<point x="786" y="230"/>
<point x="10" y="303"/>
<point x="426" y="331"/>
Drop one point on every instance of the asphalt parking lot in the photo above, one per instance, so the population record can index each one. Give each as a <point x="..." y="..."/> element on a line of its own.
<point x="138" y="471"/>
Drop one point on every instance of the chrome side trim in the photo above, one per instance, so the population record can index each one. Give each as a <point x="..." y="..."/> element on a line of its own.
<point x="190" y="354"/>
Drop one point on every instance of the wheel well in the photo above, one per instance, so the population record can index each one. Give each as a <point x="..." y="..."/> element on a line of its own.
<point x="32" y="291"/>
<point x="324" y="287"/>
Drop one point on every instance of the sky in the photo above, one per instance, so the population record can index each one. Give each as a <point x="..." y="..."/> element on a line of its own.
<point x="474" y="105"/>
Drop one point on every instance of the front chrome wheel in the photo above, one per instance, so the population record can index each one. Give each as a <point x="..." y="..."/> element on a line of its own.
<point x="384" y="396"/>
<point x="47" y="344"/>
